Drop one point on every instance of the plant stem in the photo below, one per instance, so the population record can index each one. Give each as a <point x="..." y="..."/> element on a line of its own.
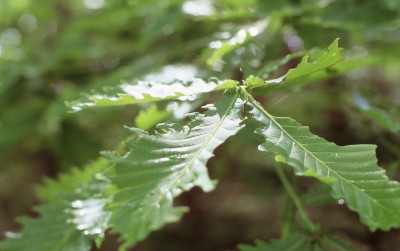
<point x="296" y="200"/>
<point x="288" y="225"/>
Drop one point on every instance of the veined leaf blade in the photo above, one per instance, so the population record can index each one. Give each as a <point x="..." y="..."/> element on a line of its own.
<point x="71" y="217"/>
<point x="143" y="202"/>
<point x="351" y="171"/>
<point x="50" y="232"/>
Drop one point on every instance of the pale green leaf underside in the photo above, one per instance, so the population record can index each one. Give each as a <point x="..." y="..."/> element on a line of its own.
<point x="149" y="91"/>
<point x="351" y="171"/>
<point x="156" y="168"/>
<point x="293" y="242"/>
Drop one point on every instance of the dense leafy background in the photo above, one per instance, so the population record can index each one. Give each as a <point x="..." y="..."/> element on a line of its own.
<point x="53" y="51"/>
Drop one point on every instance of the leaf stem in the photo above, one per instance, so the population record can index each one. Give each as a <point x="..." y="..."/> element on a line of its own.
<point x="288" y="225"/>
<point x="296" y="200"/>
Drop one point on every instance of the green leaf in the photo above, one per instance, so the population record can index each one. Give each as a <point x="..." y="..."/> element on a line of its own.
<point x="293" y="242"/>
<point x="359" y="181"/>
<point x="50" y="232"/>
<point x="322" y="66"/>
<point x="308" y="65"/>
<point x="336" y="69"/>
<point x="148" y="118"/>
<point x="149" y="91"/>
<point x="72" y="217"/>
<point x="157" y="168"/>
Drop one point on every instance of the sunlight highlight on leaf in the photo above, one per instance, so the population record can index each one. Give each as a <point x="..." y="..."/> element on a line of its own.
<point x="89" y="216"/>
<point x="157" y="168"/>
<point x="72" y="217"/>
<point x="221" y="48"/>
<point x="150" y="91"/>
<point x="198" y="7"/>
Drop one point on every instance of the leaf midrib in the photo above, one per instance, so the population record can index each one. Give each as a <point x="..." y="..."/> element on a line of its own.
<point x="195" y="156"/>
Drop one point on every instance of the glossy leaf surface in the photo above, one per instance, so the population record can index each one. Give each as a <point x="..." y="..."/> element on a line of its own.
<point x="157" y="168"/>
<point x="351" y="171"/>
<point x="149" y="91"/>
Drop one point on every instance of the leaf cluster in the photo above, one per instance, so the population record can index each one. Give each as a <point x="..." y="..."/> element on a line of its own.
<point x="250" y="48"/>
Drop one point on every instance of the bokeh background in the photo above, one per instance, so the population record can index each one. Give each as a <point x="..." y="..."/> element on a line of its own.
<point x="53" y="51"/>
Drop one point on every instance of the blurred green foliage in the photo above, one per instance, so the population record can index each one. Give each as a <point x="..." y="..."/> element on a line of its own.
<point x="53" y="51"/>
